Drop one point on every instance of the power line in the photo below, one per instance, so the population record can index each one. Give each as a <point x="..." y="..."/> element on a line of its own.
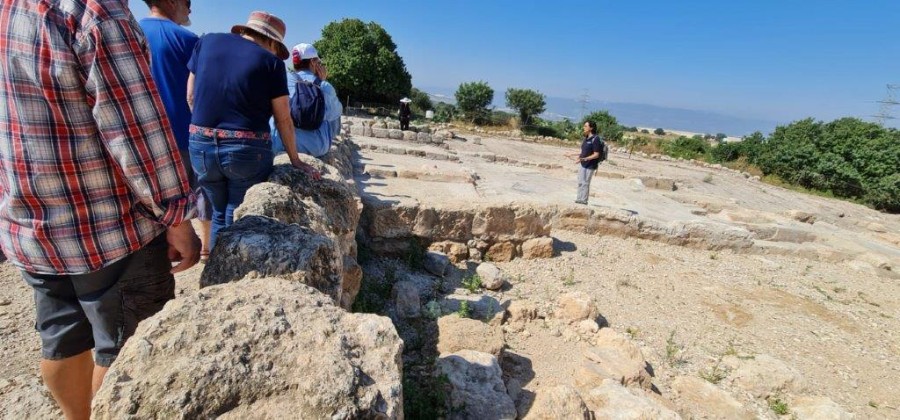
<point x="583" y="100"/>
<point x="890" y="101"/>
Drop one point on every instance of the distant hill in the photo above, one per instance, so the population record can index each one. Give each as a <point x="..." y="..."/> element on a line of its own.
<point x="642" y="115"/>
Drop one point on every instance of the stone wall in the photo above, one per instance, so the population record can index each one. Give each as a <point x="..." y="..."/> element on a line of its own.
<point x="266" y="336"/>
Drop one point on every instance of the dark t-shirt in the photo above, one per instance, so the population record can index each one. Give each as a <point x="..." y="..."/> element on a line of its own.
<point x="588" y="147"/>
<point x="235" y="81"/>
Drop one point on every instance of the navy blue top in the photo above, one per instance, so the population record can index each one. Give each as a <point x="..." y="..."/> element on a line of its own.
<point x="235" y="81"/>
<point x="588" y="147"/>
<point x="170" y="49"/>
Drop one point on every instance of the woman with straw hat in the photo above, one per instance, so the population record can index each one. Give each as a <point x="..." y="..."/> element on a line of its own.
<point x="236" y="84"/>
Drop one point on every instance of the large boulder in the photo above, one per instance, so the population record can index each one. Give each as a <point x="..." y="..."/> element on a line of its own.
<point x="611" y="400"/>
<point x="278" y="202"/>
<point x="258" y="246"/>
<point x="576" y="306"/>
<point x="501" y="252"/>
<point x="491" y="276"/>
<point x="763" y="375"/>
<point x="702" y="400"/>
<point x="558" y="402"/>
<point x="457" y="252"/>
<point x="262" y="348"/>
<point x="331" y="195"/>
<point x="818" y="408"/>
<point x="455" y="334"/>
<point x="613" y="357"/>
<point x="537" y="248"/>
<point x="476" y="388"/>
<point x="406" y="299"/>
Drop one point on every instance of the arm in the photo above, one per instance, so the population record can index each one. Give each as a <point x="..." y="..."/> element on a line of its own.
<point x="282" y="111"/>
<point x="133" y="128"/>
<point x="190" y="91"/>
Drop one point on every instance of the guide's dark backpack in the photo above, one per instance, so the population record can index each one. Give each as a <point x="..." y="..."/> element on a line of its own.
<point x="604" y="149"/>
<point x="307" y="104"/>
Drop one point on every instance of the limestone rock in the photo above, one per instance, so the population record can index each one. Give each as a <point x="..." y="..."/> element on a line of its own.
<point x="702" y="400"/>
<point x="410" y="135"/>
<point x="818" y="408"/>
<point x="331" y="196"/>
<point x="406" y="299"/>
<point x="511" y="223"/>
<point x="395" y="134"/>
<point x="436" y="263"/>
<point x="573" y="307"/>
<point x="351" y="281"/>
<point x="665" y="184"/>
<point x="477" y="390"/>
<point x="257" y="246"/>
<point x="558" y="402"/>
<point x="763" y="376"/>
<point x="479" y="306"/>
<point x="276" y="201"/>
<point x="443" y="224"/>
<point x="521" y="311"/>
<point x="612" y="401"/>
<point x="501" y="252"/>
<point x="263" y="348"/>
<point x="457" y="252"/>
<point x="614" y="357"/>
<point x="587" y="327"/>
<point x="455" y="334"/>
<point x="423" y="138"/>
<point x="491" y="276"/>
<point x="381" y="133"/>
<point x="537" y="248"/>
<point x="802" y="216"/>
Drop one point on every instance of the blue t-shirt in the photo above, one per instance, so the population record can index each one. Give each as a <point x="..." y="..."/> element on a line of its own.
<point x="235" y="81"/>
<point x="170" y="49"/>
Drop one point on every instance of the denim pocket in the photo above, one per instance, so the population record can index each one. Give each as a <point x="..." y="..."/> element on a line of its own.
<point x="198" y="162"/>
<point x="245" y="164"/>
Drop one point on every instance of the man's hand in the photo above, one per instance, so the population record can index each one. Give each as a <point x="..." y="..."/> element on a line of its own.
<point x="184" y="246"/>
<point x="307" y="169"/>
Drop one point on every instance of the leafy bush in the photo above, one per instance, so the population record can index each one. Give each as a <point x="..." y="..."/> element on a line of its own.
<point x="444" y="112"/>
<point x="645" y="131"/>
<point x="659" y="132"/>
<point x="686" y="147"/>
<point x="473" y="99"/>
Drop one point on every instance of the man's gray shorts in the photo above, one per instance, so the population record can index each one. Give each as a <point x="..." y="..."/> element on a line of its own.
<point x="101" y="310"/>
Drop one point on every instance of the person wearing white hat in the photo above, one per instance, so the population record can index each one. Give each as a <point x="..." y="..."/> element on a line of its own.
<point x="405" y="113"/>
<point x="308" y="69"/>
<point x="234" y="88"/>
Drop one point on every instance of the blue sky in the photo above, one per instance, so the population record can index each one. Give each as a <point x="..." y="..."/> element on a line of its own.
<point x="779" y="60"/>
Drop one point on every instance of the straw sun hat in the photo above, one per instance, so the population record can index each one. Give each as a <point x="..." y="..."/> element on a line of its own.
<point x="268" y="25"/>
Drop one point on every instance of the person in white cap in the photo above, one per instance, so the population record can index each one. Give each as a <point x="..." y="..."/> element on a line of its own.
<point x="307" y="67"/>
<point x="405" y="113"/>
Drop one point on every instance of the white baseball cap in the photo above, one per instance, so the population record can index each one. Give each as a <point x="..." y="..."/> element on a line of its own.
<point x="304" y="52"/>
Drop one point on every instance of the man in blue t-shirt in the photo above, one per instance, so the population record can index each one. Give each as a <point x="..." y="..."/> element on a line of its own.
<point x="589" y="158"/>
<point x="171" y="46"/>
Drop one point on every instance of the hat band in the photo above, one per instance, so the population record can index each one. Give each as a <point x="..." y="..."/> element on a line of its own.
<point x="265" y="29"/>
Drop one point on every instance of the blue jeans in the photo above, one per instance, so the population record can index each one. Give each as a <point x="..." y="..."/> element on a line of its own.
<point x="226" y="168"/>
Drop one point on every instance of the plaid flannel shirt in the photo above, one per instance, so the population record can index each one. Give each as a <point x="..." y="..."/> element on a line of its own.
<point x="90" y="168"/>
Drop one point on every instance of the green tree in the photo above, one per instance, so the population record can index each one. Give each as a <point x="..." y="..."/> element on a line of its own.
<point x="362" y="62"/>
<point x="721" y="136"/>
<point x="526" y="102"/>
<point x="444" y="112"/>
<point x="420" y="101"/>
<point x="659" y="132"/>
<point x="607" y="125"/>
<point x="473" y="98"/>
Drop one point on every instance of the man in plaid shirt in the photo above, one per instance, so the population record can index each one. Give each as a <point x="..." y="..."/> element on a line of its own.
<point x="94" y="201"/>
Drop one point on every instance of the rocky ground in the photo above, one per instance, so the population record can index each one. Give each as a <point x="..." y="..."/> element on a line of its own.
<point x="804" y="321"/>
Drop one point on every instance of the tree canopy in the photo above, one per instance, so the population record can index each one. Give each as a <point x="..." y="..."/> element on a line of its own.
<point x="420" y="100"/>
<point x="526" y="102"/>
<point x="848" y="158"/>
<point x="473" y="98"/>
<point x="607" y="125"/>
<point x="362" y="62"/>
